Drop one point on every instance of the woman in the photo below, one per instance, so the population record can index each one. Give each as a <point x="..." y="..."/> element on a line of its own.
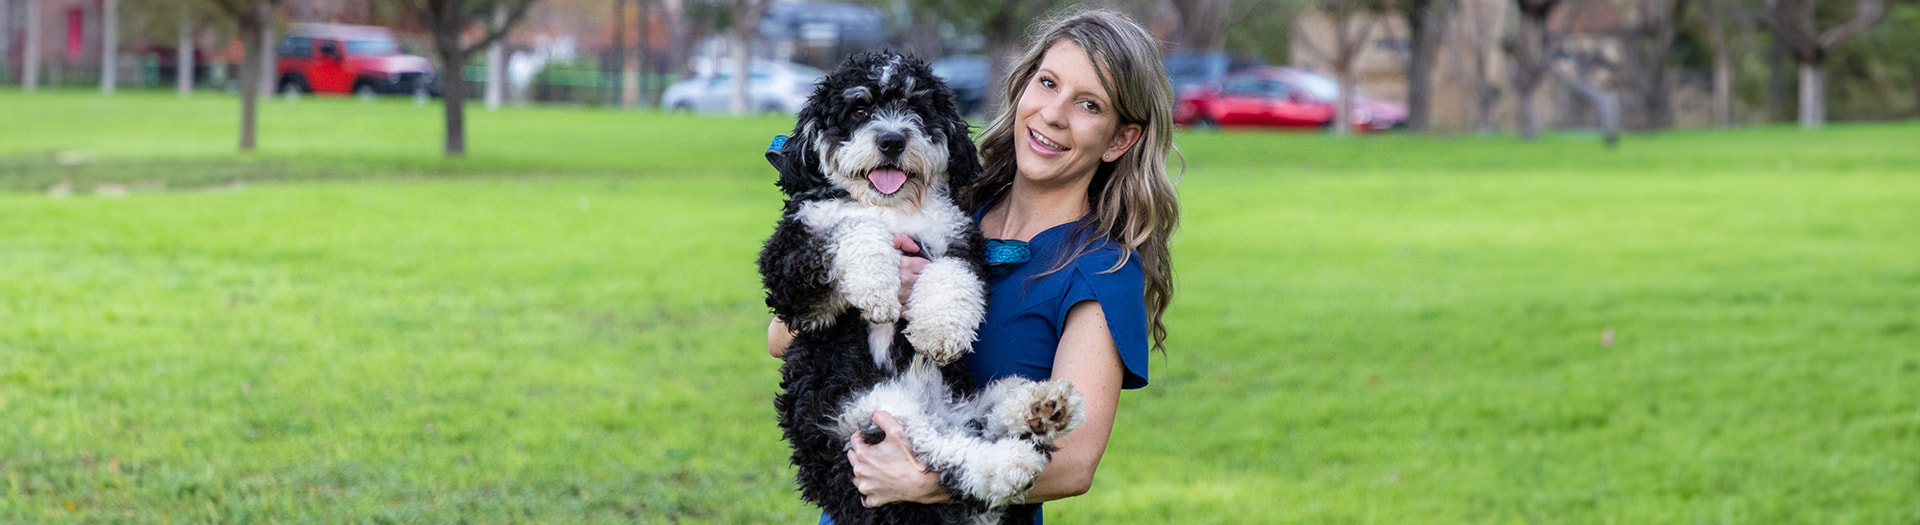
<point x="1075" y="176"/>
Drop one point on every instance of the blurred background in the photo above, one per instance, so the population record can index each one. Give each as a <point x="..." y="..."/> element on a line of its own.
<point x="491" y="261"/>
<point x="1443" y="66"/>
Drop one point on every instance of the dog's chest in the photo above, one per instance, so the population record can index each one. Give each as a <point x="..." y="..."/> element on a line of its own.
<point x="933" y="226"/>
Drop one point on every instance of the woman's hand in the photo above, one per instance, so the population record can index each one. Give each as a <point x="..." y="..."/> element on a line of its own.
<point x="887" y="472"/>
<point x="910" y="266"/>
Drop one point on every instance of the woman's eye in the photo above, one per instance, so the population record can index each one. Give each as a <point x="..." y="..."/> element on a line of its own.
<point x="1047" y="82"/>
<point x="1091" y="106"/>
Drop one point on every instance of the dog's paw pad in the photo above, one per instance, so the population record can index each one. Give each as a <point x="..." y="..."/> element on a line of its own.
<point x="1051" y="414"/>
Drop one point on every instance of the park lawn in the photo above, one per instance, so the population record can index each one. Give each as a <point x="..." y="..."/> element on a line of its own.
<point x="565" y="326"/>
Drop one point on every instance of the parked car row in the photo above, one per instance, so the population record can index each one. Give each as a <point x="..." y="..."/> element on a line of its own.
<point x="1280" y="97"/>
<point x="772" y="87"/>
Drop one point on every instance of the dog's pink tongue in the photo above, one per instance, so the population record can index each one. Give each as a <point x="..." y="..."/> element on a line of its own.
<point x="887" y="180"/>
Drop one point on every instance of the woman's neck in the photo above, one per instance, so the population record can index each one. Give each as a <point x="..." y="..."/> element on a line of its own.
<point x="1029" y="209"/>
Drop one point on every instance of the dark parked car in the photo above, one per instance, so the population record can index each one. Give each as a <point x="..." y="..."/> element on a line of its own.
<point x="1280" y="97"/>
<point x="966" y="75"/>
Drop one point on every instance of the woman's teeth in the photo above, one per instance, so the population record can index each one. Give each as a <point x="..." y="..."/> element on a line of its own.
<point x="1044" y="142"/>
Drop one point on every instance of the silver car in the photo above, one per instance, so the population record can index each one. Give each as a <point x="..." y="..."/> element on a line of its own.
<point x="772" y="88"/>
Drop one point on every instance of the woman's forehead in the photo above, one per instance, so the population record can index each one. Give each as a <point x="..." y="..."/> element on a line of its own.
<point x="1067" y="59"/>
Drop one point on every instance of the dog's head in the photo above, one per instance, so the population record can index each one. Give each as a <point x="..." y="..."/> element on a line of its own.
<point x="883" y="128"/>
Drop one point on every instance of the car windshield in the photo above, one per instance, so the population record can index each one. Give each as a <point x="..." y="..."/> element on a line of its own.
<point x="1317" y="85"/>
<point x="372" y="47"/>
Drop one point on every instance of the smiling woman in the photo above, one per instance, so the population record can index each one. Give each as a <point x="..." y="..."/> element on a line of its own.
<point x="1075" y="181"/>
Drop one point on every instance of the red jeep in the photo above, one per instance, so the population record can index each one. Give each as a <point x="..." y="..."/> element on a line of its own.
<point x="362" y="60"/>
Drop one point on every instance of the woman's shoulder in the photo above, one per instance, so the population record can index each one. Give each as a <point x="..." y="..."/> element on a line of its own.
<point x="1110" y="260"/>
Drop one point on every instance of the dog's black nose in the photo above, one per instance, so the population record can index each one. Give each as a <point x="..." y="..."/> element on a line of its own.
<point x="892" y="143"/>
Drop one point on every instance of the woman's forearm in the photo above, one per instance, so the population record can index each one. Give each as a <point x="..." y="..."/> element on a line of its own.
<point x="778" y="337"/>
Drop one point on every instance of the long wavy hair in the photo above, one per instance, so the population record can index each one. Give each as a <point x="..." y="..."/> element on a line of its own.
<point x="1132" y="197"/>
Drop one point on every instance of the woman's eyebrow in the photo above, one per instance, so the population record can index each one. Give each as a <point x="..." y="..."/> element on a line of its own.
<point x="1098" y="97"/>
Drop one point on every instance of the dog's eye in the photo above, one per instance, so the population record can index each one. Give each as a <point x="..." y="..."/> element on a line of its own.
<point x="860" y="114"/>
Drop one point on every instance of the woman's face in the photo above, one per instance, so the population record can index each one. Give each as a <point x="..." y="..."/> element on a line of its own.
<point x="1064" y="124"/>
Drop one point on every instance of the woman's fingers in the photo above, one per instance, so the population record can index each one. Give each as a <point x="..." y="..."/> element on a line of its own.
<point x="905" y="243"/>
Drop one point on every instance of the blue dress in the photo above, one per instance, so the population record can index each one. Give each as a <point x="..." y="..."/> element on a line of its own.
<point x="1026" y="313"/>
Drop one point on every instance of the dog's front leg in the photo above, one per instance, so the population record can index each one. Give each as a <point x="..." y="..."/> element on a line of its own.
<point x="947" y="305"/>
<point x="866" y="268"/>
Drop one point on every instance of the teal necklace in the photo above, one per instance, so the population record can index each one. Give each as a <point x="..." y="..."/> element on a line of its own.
<point x="1006" y="255"/>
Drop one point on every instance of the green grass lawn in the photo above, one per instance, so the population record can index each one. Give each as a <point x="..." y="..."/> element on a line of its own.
<point x="566" y="326"/>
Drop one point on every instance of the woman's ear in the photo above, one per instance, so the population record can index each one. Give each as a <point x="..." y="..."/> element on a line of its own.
<point x="1123" y="139"/>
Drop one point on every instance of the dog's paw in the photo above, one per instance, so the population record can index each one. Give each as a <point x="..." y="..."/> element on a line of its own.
<point x="1052" y="409"/>
<point x="940" y="344"/>
<point x="879" y="311"/>
<point x="1002" y="473"/>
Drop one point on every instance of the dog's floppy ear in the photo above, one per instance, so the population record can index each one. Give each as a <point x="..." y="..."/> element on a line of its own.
<point x="963" y="159"/>
<point x="798" y="165"/>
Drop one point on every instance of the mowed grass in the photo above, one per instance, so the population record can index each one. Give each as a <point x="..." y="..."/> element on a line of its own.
<point x="566" y="326"/>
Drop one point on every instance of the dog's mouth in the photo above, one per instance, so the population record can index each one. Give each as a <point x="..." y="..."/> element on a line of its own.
<point x="887" y="179"/>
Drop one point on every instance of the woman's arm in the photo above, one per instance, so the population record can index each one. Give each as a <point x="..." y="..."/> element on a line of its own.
<point x="1088" y="358"/>
<point x="778" y="337"/>
<point x="887" y="471"/>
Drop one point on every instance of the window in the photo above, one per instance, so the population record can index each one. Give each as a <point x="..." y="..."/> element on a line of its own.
<point x="297" y="47"/>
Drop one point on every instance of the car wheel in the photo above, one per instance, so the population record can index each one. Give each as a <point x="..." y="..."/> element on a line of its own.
<point x="292" y="87"/>
<point x="365" y="91"/>
<point x="1205" y="123"/>
<point x="683" y="108"/>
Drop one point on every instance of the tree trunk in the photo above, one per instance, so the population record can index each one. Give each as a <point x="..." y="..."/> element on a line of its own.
<point x="455" y="99"/>
<point x="1779" y="82"/>
<point x="1605" y="104"/>
<point x="1424" y="35"/>
<point x="644" y="52"/>
<point x="1530" y="65"/>
<point x="269" y="70"/>
<point x="742" y="66"/>
<point x="1813" y="96"/>
<point x="1003" y="48"/>
<point x="497" y="63"/>
<point x="619" y="59"/>
<point x="183" y="59"/>
<point x="109" y="45"/>
<point x="249" y="78"/>
<point x="30" y="53"/>
<point x="1722" y="64"/>
<point x="1343" y="103"/>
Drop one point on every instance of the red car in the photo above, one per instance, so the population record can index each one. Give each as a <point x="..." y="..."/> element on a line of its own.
<point x="362" y="60"/>
<point x="1279" y="97"/>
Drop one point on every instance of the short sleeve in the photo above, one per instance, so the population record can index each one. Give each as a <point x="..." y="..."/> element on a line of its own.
<point x="1122" y="297"/>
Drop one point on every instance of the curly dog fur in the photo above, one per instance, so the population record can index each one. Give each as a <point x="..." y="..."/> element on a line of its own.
<point x="879" y="149"/>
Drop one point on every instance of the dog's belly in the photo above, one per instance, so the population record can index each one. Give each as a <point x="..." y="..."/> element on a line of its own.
<point x="933" y="226"/>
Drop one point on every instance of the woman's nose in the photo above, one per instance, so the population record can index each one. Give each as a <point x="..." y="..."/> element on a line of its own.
<point x="1054" y="110"/>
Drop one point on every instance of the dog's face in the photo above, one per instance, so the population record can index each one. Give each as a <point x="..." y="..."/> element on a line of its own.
<point x="883" y="128"/>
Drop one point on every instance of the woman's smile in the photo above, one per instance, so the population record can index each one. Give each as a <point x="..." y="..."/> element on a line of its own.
<point x="1044" y="146"/>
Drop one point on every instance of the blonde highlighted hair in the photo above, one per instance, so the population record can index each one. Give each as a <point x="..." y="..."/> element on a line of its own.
<point x="1132" y="198"/>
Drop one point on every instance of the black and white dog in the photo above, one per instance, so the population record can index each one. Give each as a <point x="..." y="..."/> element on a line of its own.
<point x="879" y="149"/>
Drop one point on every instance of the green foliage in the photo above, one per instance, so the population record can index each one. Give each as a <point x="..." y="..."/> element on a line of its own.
<point x="566" y="326"/>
